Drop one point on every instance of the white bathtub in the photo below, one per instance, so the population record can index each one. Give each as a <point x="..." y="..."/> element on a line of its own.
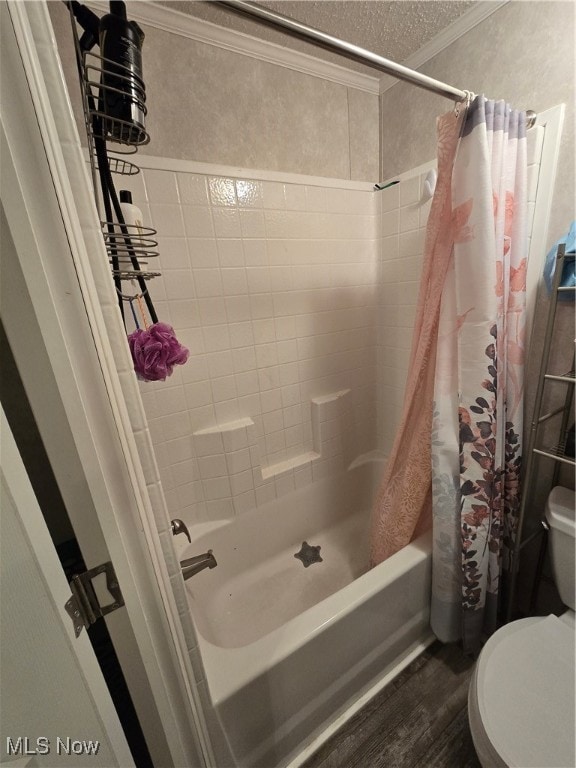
<point x="288" y="649"/>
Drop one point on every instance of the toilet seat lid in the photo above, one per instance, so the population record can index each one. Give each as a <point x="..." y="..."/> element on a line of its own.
<point x="525" y="693"/>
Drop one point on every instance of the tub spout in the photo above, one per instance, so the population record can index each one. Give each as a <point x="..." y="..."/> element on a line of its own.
<point x="194" y="565"/>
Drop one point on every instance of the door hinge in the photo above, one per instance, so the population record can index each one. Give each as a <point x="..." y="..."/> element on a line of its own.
<point x="84" y="607"/>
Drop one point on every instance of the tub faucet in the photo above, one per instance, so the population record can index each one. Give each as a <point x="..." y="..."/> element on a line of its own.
<point x="179" y="527"/>
<point x="194" y="565"/>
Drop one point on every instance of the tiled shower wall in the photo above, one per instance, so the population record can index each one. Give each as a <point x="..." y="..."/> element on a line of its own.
<point x="297" y="302"/>
<point x="404" y="214"/>
<point x="272" y="287"/>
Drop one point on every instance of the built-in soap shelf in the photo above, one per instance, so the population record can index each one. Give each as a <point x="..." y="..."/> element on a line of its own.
<point x="234" y="476"/>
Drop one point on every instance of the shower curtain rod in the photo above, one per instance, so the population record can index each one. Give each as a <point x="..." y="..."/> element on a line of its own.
<point x="341" y="46"/>
<point x="354" y="51"/>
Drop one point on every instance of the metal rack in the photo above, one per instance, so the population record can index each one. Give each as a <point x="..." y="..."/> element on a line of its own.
<point x="111" y="142"/>
<point x="536" y="450"/>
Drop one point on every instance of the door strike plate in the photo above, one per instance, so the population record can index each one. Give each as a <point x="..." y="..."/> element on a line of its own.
<point x="84" y="607"/>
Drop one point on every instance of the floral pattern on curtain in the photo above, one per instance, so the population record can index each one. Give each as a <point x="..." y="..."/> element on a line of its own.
<point x="456" y="457"/>
<point x="478" y="396"/>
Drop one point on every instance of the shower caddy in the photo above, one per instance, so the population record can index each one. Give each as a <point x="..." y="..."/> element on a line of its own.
<point x="536" y="447"/>
<point x="128" y="246"/>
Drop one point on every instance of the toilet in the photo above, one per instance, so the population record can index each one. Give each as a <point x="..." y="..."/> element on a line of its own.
<point x="521" y="702"/>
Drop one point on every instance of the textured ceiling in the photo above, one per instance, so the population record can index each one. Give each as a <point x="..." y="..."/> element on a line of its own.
<point x="395" y="30"/>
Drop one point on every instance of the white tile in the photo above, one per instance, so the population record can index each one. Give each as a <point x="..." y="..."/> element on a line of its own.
<point x="235" y="439"/>
<point x="226" y="222"/>
<point x="285" y="327"/>
<point x="252" y="224"/>
<point x="216" y="488"/>
<point x="390" y="223"/>
<point x="212" y="466"/>
<point x="237" y="308"/>
<point x="170" y="400"/>
<point x="212" y="311"/>
<point x="223" y="388"/>
<point x="258" y="279"/>
<point x="264" y="331"/>
<point x="292" y="416"/>
<point x="238" y="461"/>
<point x="185" y="314"/>
<point x="179" y="450"/>
<point x="315" y="198"/>
<point x="294" y="435"/>
<point x="222" y="191"/>
<point x="197" y="221"/>
<point x="273" y="421"/>
<point x="209" y="444"/>
<point x="207" y="282"/>
<point x="273" y="195"/>
<point x="227" y="410"/>
<point x="203" y="417"/>
<point x="175" y="425"/>
<point x="192" y="189"/>
<point x="244" y="359"/>
<point x="167" y="220"/>
<point x="266" y="355"/>
<point x="409" y="218"/>
<point x="389" y="198"/>
<point x="275" y="443"/>
<point x="241" y="482"/>
<point x="198" y="394"/>
<point x="196" y="368"/>
<point x="295" y="197"/>
<point x="179" y="284"/>
<point x="216" y="338"/>
<point x="161" y="187"/>
<point x="290" y="395"/>
<point x="269" y="378"/>
<point x="247" y="383"/>
<point x="261" y="306"/>
<point x="185" y="472"/>
<point x="173" y="254"/>
<point x="409" y="190"/>
<point x="241" y="334"/>
<point x="271" y="401"/>
<point x="203" y="253"/>
<point x="281" y="278"/>
<point x="255" y="252"/>
<point x="249" y="193"/>
<point x="220" y="363"/>
<point x="234" y="281"/>
<point x="230" y="253"/>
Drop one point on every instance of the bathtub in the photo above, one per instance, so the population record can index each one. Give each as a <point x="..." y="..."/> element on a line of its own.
<point x="289" y="649"/>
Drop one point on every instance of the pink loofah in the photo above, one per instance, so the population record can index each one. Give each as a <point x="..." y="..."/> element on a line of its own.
<point x="156" y="351"/>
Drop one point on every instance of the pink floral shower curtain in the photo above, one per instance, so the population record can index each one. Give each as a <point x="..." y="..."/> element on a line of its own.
<point x="458" y="450"/>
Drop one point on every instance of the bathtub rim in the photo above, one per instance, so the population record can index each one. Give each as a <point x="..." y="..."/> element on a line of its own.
<point x="225" y="675"/>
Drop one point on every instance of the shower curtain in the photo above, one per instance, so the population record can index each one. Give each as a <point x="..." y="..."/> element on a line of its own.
<point x="457" y="452"/>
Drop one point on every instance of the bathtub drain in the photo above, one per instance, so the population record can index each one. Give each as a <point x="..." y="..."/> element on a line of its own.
<point x="308" y="554"/>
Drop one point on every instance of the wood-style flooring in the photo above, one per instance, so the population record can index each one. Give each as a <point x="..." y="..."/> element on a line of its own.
<point x="420" y="720"/>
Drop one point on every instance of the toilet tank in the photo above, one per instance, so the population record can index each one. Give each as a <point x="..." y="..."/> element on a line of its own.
<point x="561" y="517"/>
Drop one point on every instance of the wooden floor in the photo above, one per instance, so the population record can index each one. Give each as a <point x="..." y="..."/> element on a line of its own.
<point x="420" y="720"/>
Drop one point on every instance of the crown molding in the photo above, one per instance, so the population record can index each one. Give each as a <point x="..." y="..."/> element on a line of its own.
<point x="184" y="25"/>
<point x="471" y="18"/>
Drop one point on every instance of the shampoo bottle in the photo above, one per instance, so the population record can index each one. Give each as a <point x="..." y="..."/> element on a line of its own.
<point x="133" y="220"/>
